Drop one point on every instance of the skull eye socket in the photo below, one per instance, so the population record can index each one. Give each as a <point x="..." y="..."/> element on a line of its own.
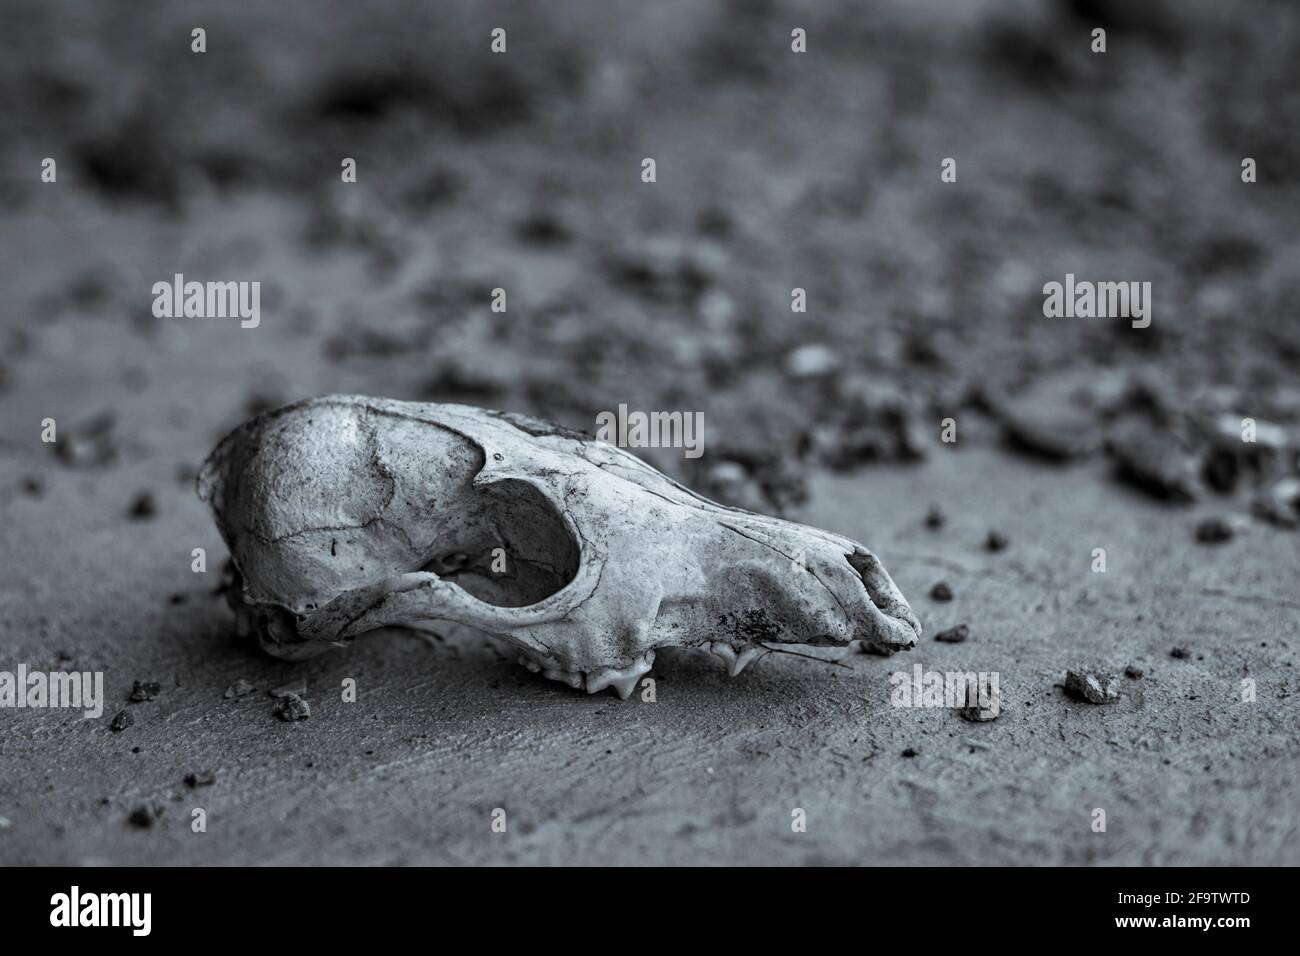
<point x="509" y="548"/>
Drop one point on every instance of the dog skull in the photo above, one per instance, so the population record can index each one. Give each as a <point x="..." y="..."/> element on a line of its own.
<point x="344" y="514"/>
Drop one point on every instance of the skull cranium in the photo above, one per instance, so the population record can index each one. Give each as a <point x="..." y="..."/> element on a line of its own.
<point x="344" y="514"/>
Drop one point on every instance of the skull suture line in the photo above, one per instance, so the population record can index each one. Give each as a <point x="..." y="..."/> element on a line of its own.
<point x="344" y="514"/>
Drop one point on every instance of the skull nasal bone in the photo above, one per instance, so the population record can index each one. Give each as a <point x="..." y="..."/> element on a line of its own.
<point x="867" y="568"/>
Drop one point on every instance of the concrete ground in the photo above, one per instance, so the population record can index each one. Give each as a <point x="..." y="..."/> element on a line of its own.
<point x="775" y="172"/>
<point x="443" y="733"/>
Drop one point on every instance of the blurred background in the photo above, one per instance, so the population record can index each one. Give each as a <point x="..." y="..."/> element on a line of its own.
<point x="775" y="171"/>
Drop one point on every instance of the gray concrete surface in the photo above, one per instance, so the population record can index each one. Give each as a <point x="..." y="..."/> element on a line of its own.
<point x="444" y="733"/>
<point x="775" y="172"/>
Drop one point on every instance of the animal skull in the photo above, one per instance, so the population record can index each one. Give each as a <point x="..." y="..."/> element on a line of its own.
<point x="344" y="514"/>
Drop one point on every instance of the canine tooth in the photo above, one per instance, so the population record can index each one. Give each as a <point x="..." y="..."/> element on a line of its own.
<point x="623" y="681"/>
<point x="572" y="678"/>
<point x="747" y="657"/>
<point x="726" y="652"/>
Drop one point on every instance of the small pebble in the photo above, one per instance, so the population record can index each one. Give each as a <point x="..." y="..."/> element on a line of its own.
<point x="1050" y="427"/>
<point x="987" y="705"/>
<point x="1280" y="504"/>
<point x="1179" y="653"/>
<point x="292" y="707"/>
<point x="954" y="635"/>
<point x="1214" y="530"/>
<point x="143" y="816"/>
<point x="142" y="507"/>
<point x="200" y="778"/>
<point x="91" y="445"/>
<point x="811" y="361"/>
<point x="911" y="752"/>
<point x="144" y="690"/>
<point x="1091" y="686"/>
<point x="240" y="688"/>
<point x="123" y="720"/>
<point x="543" y="227"/>
<point x="996" y="541"/>
<point x="1221" y="470"/>
<point x="1133" y="671"/>
<point x="935" y="518"/>
<point x="941" y="592"/>
<point x="1156" y="463"/>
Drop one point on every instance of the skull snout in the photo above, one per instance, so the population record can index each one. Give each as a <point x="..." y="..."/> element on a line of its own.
<point x="840" y="594"/>
<point x="885" y="620"/>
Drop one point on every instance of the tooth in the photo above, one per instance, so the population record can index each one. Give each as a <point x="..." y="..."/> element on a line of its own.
<point x="747" y="657"/>
<point x="736" y="662"/>
<point x="623" y="681"/>
<point x="572" y="678"/>
<point x="727" y="653"/>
